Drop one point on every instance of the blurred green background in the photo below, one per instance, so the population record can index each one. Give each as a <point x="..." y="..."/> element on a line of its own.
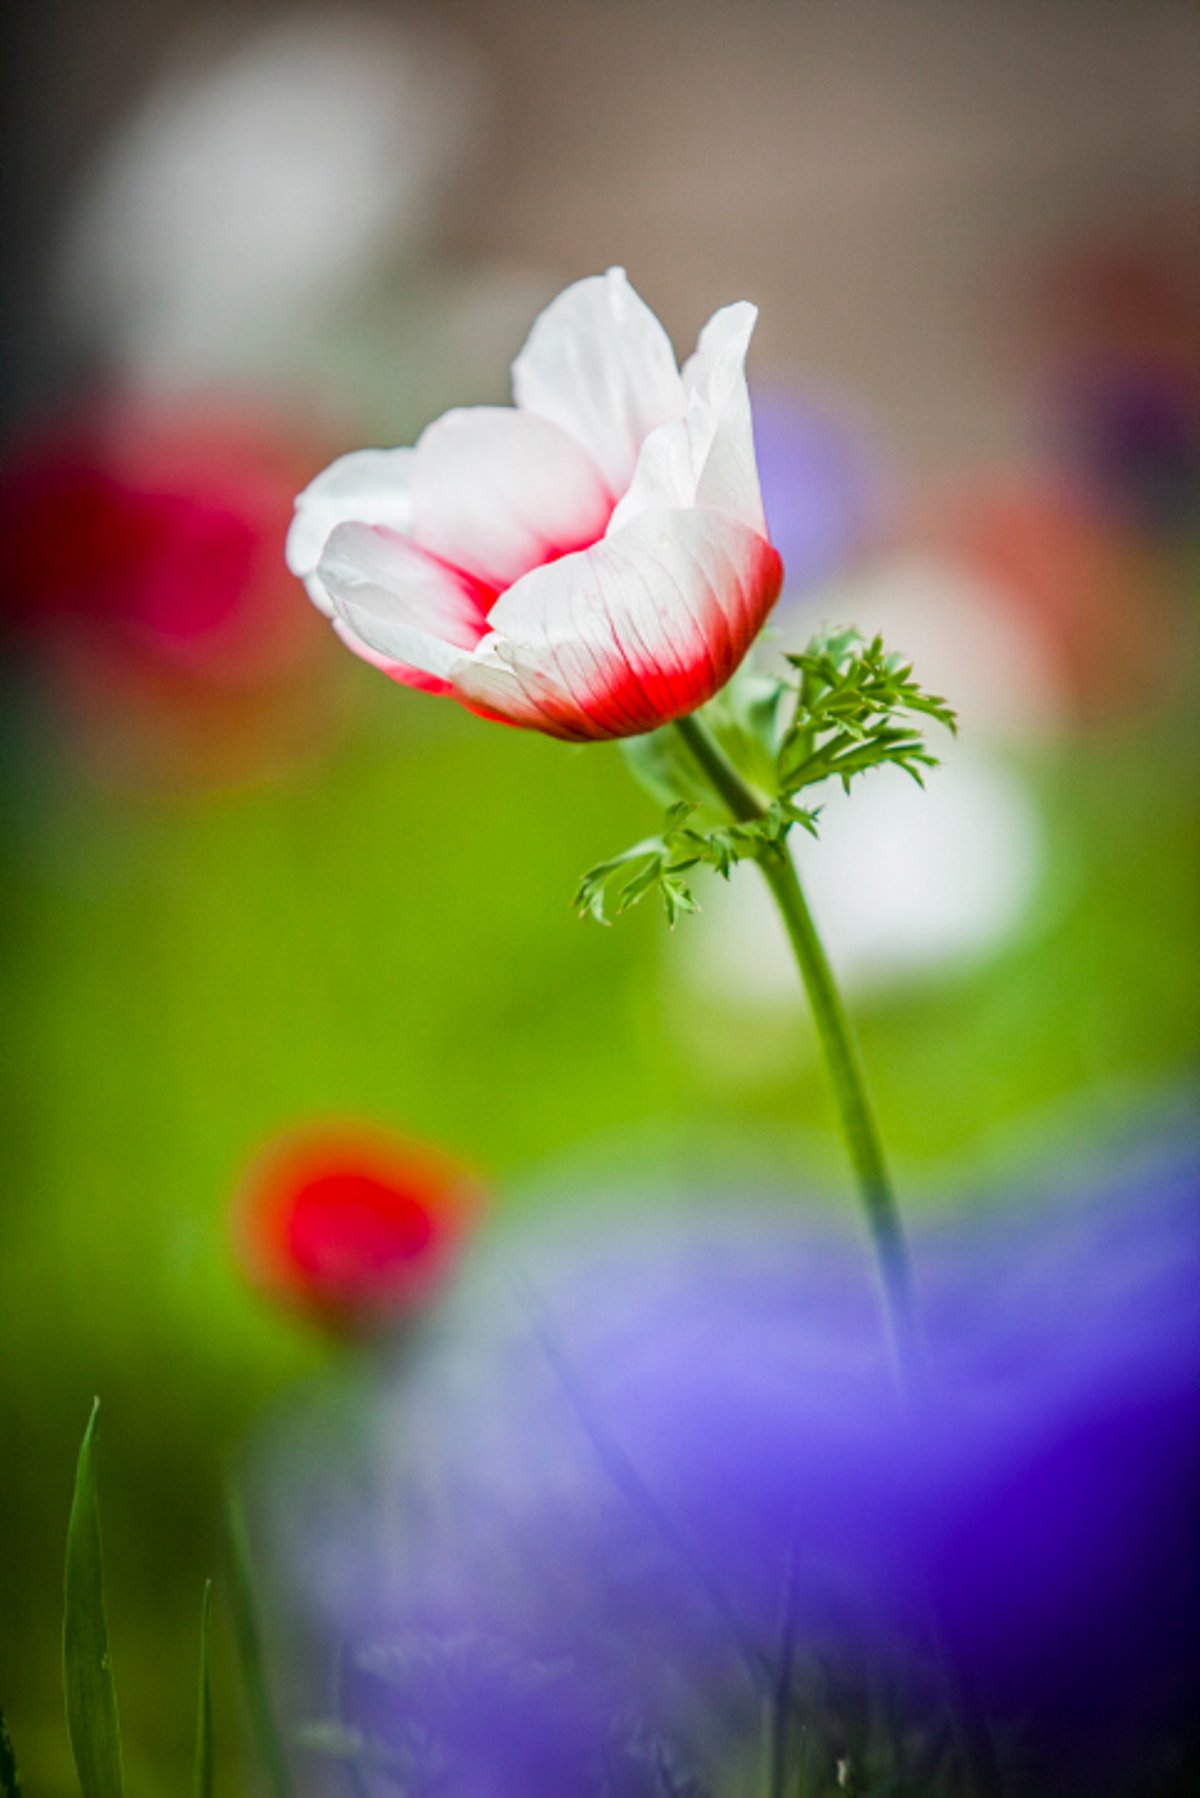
<point x="388" y="937"/>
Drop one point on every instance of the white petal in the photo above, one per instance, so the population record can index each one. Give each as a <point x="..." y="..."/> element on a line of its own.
<point x="486" y="682"/>
<point x="716" y="373"/>
<point x="599" y="364"/>
<point x="642" y="627"/>
<point x="401" y="603"/>
<point x="403" y="672"/>
<point x="497" y="492"/>
<point x="366" y="487"/>
<point x="706" y="458"/>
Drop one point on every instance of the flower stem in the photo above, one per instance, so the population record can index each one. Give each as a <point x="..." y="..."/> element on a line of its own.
<point x="842" y="1058"/>
<point x="880" y="1208"/>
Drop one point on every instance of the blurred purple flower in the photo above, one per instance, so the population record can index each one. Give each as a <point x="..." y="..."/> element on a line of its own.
<point x="651" y="1480"/>
<point x="1130" y="426"/>
<point x="823" y="487"/>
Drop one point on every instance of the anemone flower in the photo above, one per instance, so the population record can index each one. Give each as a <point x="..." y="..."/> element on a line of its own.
<point x="591" y="562"/>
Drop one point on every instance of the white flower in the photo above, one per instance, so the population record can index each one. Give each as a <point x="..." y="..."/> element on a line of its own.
<point x="590" y="562"/>
<point x="905" y="883"/>
<point x="263" y="174"/>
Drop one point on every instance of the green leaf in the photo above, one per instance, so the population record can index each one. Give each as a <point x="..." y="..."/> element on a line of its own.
<point x="248" y="1634"/>
<point x="10" y="1781"/>
<point x="92" y="1722"/>
<point x="764" y="708"/>
<point x="202" y="1775"/>
<point x="750" y="718"/>
<point x="639" y="886"/>
<point x="677" y="899"/>
<point x="660" y="763"/>
<point x="855" y="713"/>
<point x="808" y="818"/>
<point x="594" y="895"/>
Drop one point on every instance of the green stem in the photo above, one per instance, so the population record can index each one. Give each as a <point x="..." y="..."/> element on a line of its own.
<point x="842" y="1058"/>
<point x="878" y="1196"/>
<point x="880" y="1208"/>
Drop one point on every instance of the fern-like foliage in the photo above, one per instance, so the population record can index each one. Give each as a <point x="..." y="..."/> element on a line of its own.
<point x="844" y="706"/>
<point x="857" y="709"/>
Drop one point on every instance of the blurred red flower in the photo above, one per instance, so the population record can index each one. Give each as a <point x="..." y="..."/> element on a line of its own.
<point x="358" y="1229"/>
<point x="142" y="543"/>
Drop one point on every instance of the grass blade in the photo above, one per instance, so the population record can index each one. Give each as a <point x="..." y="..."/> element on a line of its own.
<point x="202" y="1778"/>
<point x="248" y="1633"/>
<point x="92" y="1722"/>
<point x="10" y="1783"/>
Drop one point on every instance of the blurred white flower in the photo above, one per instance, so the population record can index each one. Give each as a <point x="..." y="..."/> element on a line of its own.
<point x="965" y="638"/>
<point x="902" y="882"/>
<point x="256" y="181"/>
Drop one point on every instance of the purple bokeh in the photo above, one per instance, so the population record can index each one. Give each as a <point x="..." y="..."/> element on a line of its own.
<point x="823" y="485"/>
<point x="1130" y="427"/>
<point x="571" y="1537"/>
